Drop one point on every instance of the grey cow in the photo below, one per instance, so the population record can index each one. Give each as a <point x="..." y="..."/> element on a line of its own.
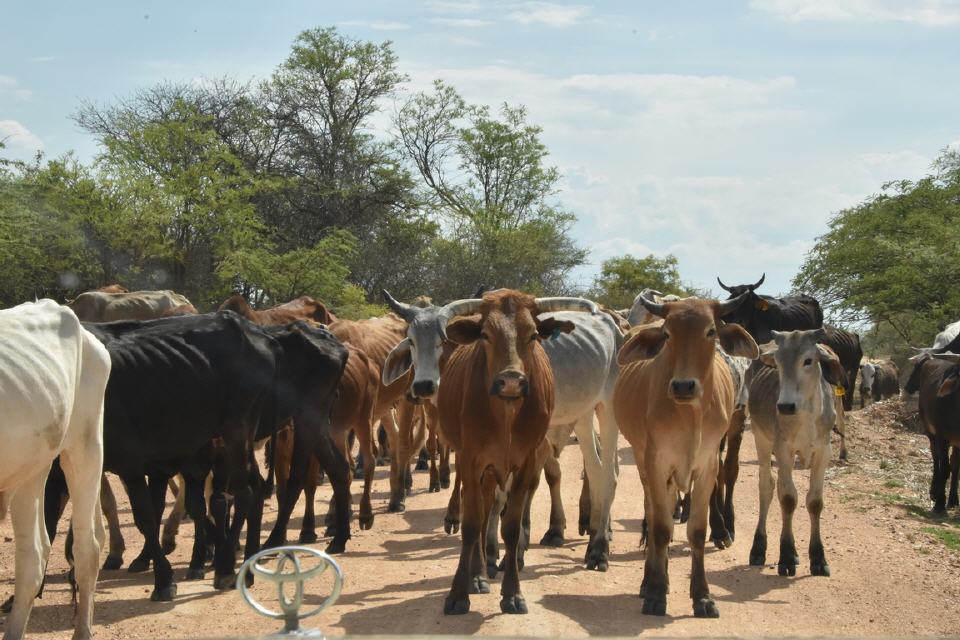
<point x="793" y="408"/>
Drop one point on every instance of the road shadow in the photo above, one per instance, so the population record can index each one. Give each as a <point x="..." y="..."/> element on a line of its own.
<point x="746" y="584"/>
<point x="610" y="615"/>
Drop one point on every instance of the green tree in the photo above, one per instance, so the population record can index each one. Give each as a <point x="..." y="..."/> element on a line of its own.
<point x="623" y="277"/>
<point x="893" y="260"/>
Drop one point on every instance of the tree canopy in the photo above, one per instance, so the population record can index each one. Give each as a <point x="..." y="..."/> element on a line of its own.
<point x="623" y="277"/>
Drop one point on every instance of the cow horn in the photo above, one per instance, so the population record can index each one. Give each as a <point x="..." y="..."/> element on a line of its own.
<point x="463" y="307"/>
<point x="651" y="306"/>
<point x="651" y="292"/>
<point x="722" y="286"/>
<point x="547" y="305"/>
<point x="405" y="311"/>
<point x="948" y="356"/>
<point x="726" y="307"/>
<point x="760" y="281"/>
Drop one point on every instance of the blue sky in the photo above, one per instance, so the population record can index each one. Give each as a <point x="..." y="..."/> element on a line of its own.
<point x="723" y="132"/>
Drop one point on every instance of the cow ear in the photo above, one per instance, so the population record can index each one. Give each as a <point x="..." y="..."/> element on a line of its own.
<point x="464" y="330"/>
<point x="768" y="352"/>
<point x="737" y="342"/>
<point x="398" y="362"/>
<point x="642" y="345"/>
<point x="950" y="385"/>
<point x="830" y="365"/>
<point x="550" y="327"/>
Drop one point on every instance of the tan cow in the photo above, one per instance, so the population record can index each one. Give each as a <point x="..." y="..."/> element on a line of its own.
<point x="97" y="306"/>
<point x="673" y="402"/>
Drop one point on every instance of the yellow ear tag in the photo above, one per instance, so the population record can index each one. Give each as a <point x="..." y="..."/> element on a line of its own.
<point x="762" y="304"/>
<point x="840" y="391"/>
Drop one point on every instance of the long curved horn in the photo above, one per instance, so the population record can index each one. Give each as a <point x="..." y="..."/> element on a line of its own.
<point x="723" y="286"/>
<point x="405" y="311"/>
<point x="760" y="281"/>
<point x="651" y="306"/>
<point x="651" y="294"/>
<point x="949" y="357"/>
<point x="547" y="305"/>
<point x="464" y="307"/>
<point x="725" y="307"/>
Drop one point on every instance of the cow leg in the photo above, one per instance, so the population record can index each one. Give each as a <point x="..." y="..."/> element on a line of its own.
<point x="192" y="491"/>
<point x="32" y="550"/>
<point x="954" y="469"/>
<point x="524" y="480"/>
<point x="444" y="466"/>
<point x="492" y="550"/>
<point x="941" y="467"/>
<point x="489" y="494"/>
<point x="433" y="445"/>
<point x="172" y="526"/>
<point x="758" y="552"/>
<point x="335" y="464"/>
<point x="598" y="549"/>
<point x="164" y="588"/>
<point x="451" y="520"/>
<point x="457" y="601"/>
<point x="818" y="467"/>
<point x="364" y="436"/>
<point x="558" y="521"/>
<point x="397" y="490"/>
<point x="718" y="528"/>
<point x="158" y="489"/>
<point x="659" y="517"/>
<point x="260" y="490"/>
<point x="225" y="559"/>
<point x="787" y="493"/>
<point x="308" y="527"/>
<point x="703" y="488"/>
<point x="731" y="469"/>
<point x="841" y="425"/>
<point x="108" y="503"/>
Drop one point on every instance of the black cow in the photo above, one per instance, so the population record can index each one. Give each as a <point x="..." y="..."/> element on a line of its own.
<point x="191" y="394"/>
<point x="937" y="378"/>
<point x="847" y="347"/>
<point x="762" y="314"/>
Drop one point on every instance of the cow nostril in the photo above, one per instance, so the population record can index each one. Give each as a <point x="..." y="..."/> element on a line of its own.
<point x="786" y="408"/>
<point x="684" y="388"/>
<point x="424" y="388"/>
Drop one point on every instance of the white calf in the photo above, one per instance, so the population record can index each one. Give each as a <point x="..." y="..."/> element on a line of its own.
<point x="53" y="375"/>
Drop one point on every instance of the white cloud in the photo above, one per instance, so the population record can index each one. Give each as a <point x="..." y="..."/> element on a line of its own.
<point x="18" y="139"/>
<point x="922" y="12"/>
<point x="454" y="6"/>
<point x="376" y="25"/>
<point x="10" y="87"/>
<point x="549" y="14"/>
<point x="467" y="23"/>
<point x="43" y="59"/>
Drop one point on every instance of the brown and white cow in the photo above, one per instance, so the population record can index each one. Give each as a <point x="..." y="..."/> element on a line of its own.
<point x="673" y="402"/>
<point x="495" y="405"/>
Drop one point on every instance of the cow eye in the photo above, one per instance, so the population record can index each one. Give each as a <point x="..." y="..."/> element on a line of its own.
<point x="712" y="333"/>
<point x="533" y="338"/>
<point x="484" y="336"/>
<point x="808" y="362"/>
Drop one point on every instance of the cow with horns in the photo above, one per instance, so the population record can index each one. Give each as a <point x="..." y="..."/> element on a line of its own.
<point x="673" y="400"/>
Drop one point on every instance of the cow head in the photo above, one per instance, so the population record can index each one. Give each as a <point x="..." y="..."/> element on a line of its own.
<point x="428" y="328"/>
<point x="802" y="364"/>
<point x="758" y="315"/>
<point x="687" y="338"/>
<point x="950" y="383"/>
<point x="868" y="371"/>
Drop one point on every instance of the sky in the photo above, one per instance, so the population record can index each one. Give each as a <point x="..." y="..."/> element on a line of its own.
<point x="725" y="133"/>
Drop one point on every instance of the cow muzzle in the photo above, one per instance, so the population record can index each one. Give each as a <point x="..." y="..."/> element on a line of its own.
<point x="424" y="389"/>
<point x="787" y="408"/>
<point x="683" y="391"/>
<point x="510" y="385"/>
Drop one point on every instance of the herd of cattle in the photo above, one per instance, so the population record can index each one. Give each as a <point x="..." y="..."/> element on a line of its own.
<point x="141" y="385"/>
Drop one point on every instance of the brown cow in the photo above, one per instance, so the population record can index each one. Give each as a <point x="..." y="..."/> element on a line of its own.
<point x="302" y="308"/>
<point x="113" y="288"/>
<point x="376" y="337"/>
<point x="673" y="402"/>
<point x="494" y="406"/>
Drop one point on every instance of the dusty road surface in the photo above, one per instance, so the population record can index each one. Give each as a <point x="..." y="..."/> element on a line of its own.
<point x="895" y="571"/>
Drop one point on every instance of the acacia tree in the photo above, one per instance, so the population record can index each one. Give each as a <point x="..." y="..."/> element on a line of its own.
<point x="623" y="277"/>
<point x="486" y="178"/>
<point x="893" y="259"/>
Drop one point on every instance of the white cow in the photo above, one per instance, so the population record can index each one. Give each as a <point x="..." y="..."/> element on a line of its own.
<point x="53" y="375"/>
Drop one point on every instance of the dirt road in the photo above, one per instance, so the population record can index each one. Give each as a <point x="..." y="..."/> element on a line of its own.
<point x="894" y="570"/>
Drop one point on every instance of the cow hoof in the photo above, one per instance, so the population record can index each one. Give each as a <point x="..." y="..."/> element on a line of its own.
<point x="552" y="538"/>
<point x="785" y="569"/>
<point x="139" y="565"/>
<point x="492" y="568"/>
<point x="456" y="607"/>
<point x="953" y="502"/>
<point x="597" y="557"/>
<point x="421" y="466"/>
<point x="513" y="604"/>
<point x="336" y="547"/>
<point x="7" y="605"/>
<point x="758" y="553"/>
<point x="309" y="537"/>
<point x="168" y="546"/>
<point x="434" y="487"/>
<point x="225" y="581"/>
<point x="723" y="542"/>
<point x="366" y="521"/>
<point x="820" y="569"/>
<point x="583" y="525"/>
<point x="654" y="606"/>
<point x="705" y="608"/>
<point x="451" y="526"/>
<point x="164" y="594"/>
<point x="195" y="574"/>
<point x="479" y="585"/>
<point x="444" y="484"/>
<point x="396" y="506"/>
<point x="112" y="563"/>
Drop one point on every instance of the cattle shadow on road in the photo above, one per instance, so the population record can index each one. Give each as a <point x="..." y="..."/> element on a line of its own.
<point x="608" y="615"/>
<point x="744" y="583"/>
